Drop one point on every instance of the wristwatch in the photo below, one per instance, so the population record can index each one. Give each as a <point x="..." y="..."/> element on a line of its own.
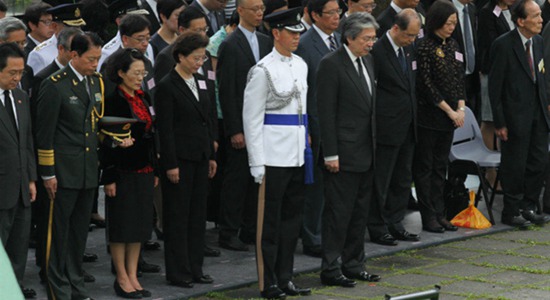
<point x="462" y="108"/>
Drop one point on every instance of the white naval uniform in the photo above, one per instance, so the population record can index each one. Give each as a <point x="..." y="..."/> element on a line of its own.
<point x="113" y="46"/>
<point x="43" y="54"/>
<point x="275" y="145"/>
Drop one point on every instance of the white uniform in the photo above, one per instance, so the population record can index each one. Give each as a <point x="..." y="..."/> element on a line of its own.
<point x="113" y="46"/>
<point x="277" y="85"/>
<point x="43" y="54"/>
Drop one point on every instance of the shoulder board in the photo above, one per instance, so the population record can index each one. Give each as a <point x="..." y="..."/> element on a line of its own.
<point x="97" y="74"/>
<point x="40" y="46"/>
<point x="58" y="76"/>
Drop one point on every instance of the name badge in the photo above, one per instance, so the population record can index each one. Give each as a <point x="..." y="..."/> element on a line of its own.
<point x="202" y="84"/>
<point x="211" y="75"/>
<point x="151" y="83"/>
<point x="152" y="111"/>
<point x="413" y="65"/>
<point x="459" y="56"/>
<point x="497" y="11"/>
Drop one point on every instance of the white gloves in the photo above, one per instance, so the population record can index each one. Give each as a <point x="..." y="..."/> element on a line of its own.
<point x="258" y="173"/>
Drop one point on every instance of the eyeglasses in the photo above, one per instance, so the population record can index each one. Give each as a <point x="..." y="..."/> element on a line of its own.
<point x="46" y="22"/>
<point x="367" y="6"/>
<point x="140" y="73"/>
<point x="15" y="73"/>
<point x="199" y="59"/>
<point x="367" y="39"/>
<point x="334" y="12"/>
<point x="257" y="9"/>
<point x="201" y="30"/>
<point x="141" y="39"/>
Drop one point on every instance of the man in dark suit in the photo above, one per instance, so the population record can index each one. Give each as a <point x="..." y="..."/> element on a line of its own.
<point x="153" y="17"/>
<point x="237" y="54"/>
<point x="386" y="18"/>
<point x="317" y="42"/>
<point x="17" y="163"/>
<point x="69" y="106"/>
<point x="466" y="36"/>
<point x="213" y="10"/>
<point x="38" y="20"/>
<point x="520" y="110"/>
<point x="396" y="129"/>
<point x="346" y="94"/>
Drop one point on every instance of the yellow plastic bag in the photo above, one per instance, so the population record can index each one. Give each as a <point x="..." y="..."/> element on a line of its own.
<point x="471" y="217"/>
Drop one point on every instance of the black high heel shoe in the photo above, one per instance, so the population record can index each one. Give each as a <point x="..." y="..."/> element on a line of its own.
<point x="128" y="295"/>
<point x="144" y="293"/>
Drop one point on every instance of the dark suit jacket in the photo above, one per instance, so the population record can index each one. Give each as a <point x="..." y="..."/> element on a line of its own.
<point x="346" y="112"/>
<point x="458" y="35"/>
<point x="30" y="46"/>
<point x="155" y="25"/>
<point x="235" y="59"/>
<point x="220" y="17"/>
<point x="183" y="122"/>
<point x="387" y="17"/>
<point x="395" y="94"/>
<point x="514" y="96"/>
<point x="312" y="49"/>
<point x="64" y="129"/>
<point x="490" y="27"/>
<point x="17" y="162"/>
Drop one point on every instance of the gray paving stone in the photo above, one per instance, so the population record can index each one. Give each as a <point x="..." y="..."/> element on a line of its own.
<point x="515" y="278"/>
<point x="399" y="262"/>
<point x="541" y="250"/>
<point x="539" y="235"/>
<point x="486" y="244"/>
<point x="415" y="280"/>
<point x="522" y="294"/>
<point x="362" y="291"/>
<point x="459" y="269"/>
<point x="507" y="260"/>
<point x="446" y="253"/>
<point x="468" y="287"/>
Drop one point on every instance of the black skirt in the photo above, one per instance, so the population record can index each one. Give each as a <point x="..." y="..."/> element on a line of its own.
<point x="130" y="212"/>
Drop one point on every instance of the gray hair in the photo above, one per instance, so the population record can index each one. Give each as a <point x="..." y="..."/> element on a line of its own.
<point x="355" y="23"/>
<point x="65" y="35"/>
<point x="9" y="25"/>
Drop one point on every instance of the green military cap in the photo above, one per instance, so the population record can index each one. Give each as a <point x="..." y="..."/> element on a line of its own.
<point x="68" y="13"/>
<point x="116" y="127"/>
<point x="122" y="7"/>
<point x="289" y="19"/>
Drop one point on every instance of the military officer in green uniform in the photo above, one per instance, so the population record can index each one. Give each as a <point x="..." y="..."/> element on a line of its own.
<point x="69" y="106"/>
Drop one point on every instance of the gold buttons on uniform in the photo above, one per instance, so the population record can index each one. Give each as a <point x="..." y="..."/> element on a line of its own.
<point x="87" y="149"/>
<point x="87" y="134"/>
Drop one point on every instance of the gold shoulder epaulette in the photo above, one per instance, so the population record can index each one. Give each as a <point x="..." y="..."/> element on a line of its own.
<point x="58" y="77"/>
<point x="98" y="74"/>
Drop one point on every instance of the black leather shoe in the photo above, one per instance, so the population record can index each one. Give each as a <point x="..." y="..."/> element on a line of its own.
<point x="363" y="276"/>
<point x="448" y="226"/>
<point x="340" y="280"/>
<point x="98" y="223"/>
<point x="247" y="238"/>
<point x="292" y="290"/>
<point x="28" y="293"/>
<point x="516" y="221"/>
<point x="144" y="293"/>
<point x="89" y="257"/>
<point x="405" y="236"/>
<point x="204" y="279"/>
<point x="433" y="226"/>
<point x="534" y="218"/>
<point x="88" y="277"/>
<point x="273" y="292"/>
<point x="148" y="268"/>
<point x="233" y="243"/>
<point x="209" y="252"/>
<point x="151" y="246"/>
<point x="386" y="240"/>
<point x="315" y="251"/>
<point x="159" y="233"/>
<point x="127" y="295"/>
<point x="546" y="210"/>
<point x="184" y="284"/>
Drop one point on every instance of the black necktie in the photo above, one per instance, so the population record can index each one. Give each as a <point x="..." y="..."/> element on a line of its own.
<point x="362" y="78"/>
<point x="88" y="88"/>
<point x="9" y="108"/>
<point x="529" y="59"/>
<point x="402" y="60"/>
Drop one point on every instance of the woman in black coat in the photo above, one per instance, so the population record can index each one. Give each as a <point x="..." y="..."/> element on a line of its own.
<point x="185" y="118"/>
<point x="128" y="173"/>
<point x="440" y="96"/>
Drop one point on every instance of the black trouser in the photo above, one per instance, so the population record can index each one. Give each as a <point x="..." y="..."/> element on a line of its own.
<point x="282" y="220"/>
<point x="214" y="193"/>
<point x="430" y="161"/>
<point x="15" y="225"/>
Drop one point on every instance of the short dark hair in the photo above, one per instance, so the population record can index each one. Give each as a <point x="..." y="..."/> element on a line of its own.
<point x="438" y="14"/>
<point x="519" y="11"/>
<point x="8" y="50"/>
<point x="131" y="23"/>
<point x="167" y="7"/>
<point x="65" y="35"/>
<point x="235" y="18"/>
<point x="317" y="6"/>
<point x="82" y="42"/>
<point x="188" y="42"/>
<point x="189" y="14"/>
<point x="34" y="11"/>
<point x="121" y="61"/>
<point x="3" y="6"/>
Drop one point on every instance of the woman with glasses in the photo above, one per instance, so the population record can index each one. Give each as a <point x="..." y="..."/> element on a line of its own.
<point x="185" y="118"/>
<point x="128" y="170"/>
<point x="441" y="106"/>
